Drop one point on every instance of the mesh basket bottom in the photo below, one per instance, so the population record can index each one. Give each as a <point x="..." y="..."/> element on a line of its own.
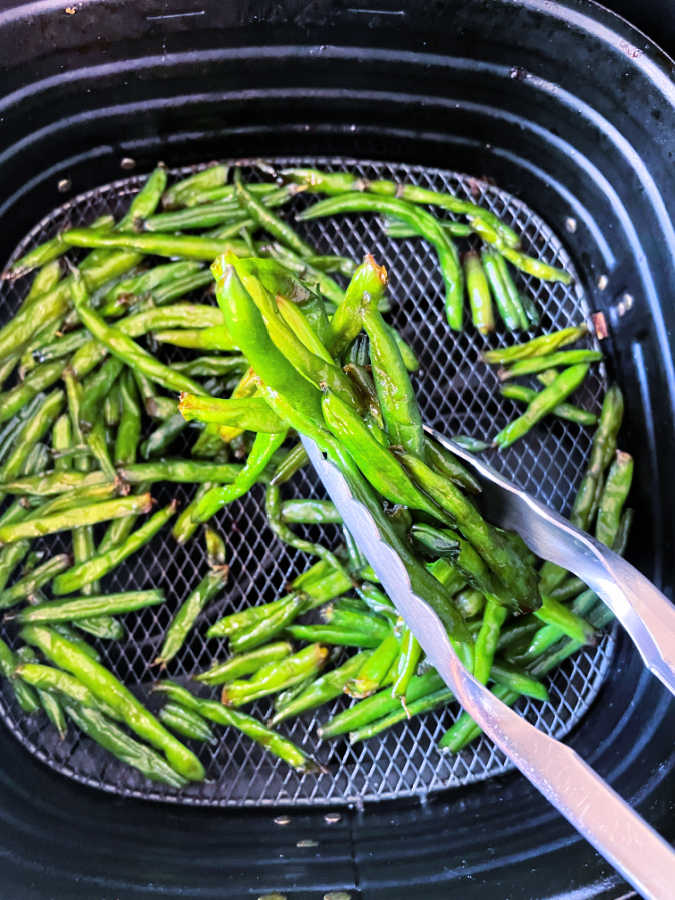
<point x="458" y="394"/>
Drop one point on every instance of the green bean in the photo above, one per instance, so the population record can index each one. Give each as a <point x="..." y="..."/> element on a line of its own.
<point x="38" y="380"/>
<point x="543" y="403"/>
<point x="367" y="283"/>
<point x="424" y="704"/>
<point x="111" y="407"/>
<point x="323" y="689"/>
<point x="180" y="470"/>
<point x="211" y="177"/>
<point x="182" y="246"/>
<point x="400" y="411"/>
<point x="544" y="345"/>
<point x="309" y="512"/>
<point x="163" y="436"/>
<point x="94" y="724"/>
<point x="274" y="676"/>
<point x="406" y="665"/>
<point x="378" y="669"/>
<point x="28" y="435"/>
<point x="129" y="428"/>
<point x="205" y="366"/>
<point x="10" y="558"/>
<point x="487" y="640"/>
<point x="212" y="338"/>
<point x="34" y="580"/>
<point x="266" y="219"/>
<point x="341" y="616"/>
<point x="280" y="380"/>
<point x="286" y="534"/>
<point x="317" y="369"/>
<point x="251" y="413"/>
<point x="505" y="307"/>
<point x="313" y="269"/>
<point x="563" y="410"/>
<point x="100" y="564"/>
<point x="94" y="391"/>
<point x="423" y="222"/>
<point x="105" y="628"/>
<point x="210" y="214"/>
<point x="294" y="460"/>
<point x="223" y="715"/>
<point x="106" y="687"/>
<point x="329" y="634"/>
<point x="496" y="547"/>
<point x="465" y="729"/>
<point x="590" y="489"/>
<point x="379" y="705"/>
<point x="68" y="519"/>
<point x="44" y="255"/>
<point x="210" y="585"/>
<point x="125" y="348"/>
<point x="50" y="704"/>
<point x="26" y="696"/>
<point x="54" y="303"/>
<point x="218" y="496"/>
<point x="381" y="469"/>
<point x="397" y="230"/>
<point x="469" y="602"/>
<point x="340" y="182"/>
<point x="245" y="663"/>
<point x="472" y="444"/>
<point x="531" y="365"/>
<point x="615" y="491"/>
<point x="48" y="678"/>
<point x="268" y="627"/>
<point x="225" y="192"/>
<point x="521" y="261"/>
<point x="478" y="291"/>
<point x="548" y="635"/>
<point x="73" y="609"/>
<point x="512" y="292"/>
<point x="444" y="462"/>
<point x="98" y="444"/>
<point x="186" y="722"/>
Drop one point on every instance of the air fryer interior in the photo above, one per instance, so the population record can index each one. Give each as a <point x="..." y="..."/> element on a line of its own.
<point x="457" y="393"/>
<point x="566" y="108"/>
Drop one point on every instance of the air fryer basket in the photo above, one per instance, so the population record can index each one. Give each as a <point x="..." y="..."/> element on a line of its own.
<point x="566" y="108"/>
<point x="459" y="394"/>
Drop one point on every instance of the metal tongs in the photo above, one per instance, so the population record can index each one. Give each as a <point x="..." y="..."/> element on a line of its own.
<point x="558" y="772"/>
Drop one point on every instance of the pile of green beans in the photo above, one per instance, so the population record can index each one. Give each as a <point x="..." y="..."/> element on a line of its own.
<point x="561" y="372"/>
<point x="93" y="420"/>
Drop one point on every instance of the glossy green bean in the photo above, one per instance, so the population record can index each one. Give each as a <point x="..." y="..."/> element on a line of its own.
<point x="512" y="292"/>
<point x="186" y="722"/>
<point x="275" y="676"/>
<point x="30" y="583"/>
<point x="210" y="585"/>
<point x="340" y="182"/>
<point x="531" y="365"/>
<point x="543" y="403"/>
<point x="323" y="689"/>
<point x="223" y="715"/>
<point x="423" y="222"/>
<point x="496" y="547"/>
<point x="245" y="663"/>
<point x="432" y="701"/>
<point x="101" y="564"/>
<point x="251" y="413"/>
<point x="487" y="639"/>
<point x="544" y="345"/>
<point x="478" y="292"/>
<point x="68" y="519"/>
<point x="72" y="609"/>
<point x="508" y="313"/>
<point x="563" y="410"/>
<point x="106" y="687"/>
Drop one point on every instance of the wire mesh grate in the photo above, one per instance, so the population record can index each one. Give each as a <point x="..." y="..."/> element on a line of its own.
<point x="458" y="394"/>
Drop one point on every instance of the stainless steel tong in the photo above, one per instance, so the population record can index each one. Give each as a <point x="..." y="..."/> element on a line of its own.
<point x="577" y="792"/>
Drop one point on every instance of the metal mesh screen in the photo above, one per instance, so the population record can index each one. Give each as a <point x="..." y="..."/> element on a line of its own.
<point x="458" y="394"/>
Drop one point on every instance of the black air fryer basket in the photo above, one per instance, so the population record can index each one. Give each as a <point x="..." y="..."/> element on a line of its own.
<point x="565" y="115"/>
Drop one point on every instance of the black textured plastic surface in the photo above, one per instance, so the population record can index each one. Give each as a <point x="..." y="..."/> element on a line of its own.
<point x="458" y="394"/>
